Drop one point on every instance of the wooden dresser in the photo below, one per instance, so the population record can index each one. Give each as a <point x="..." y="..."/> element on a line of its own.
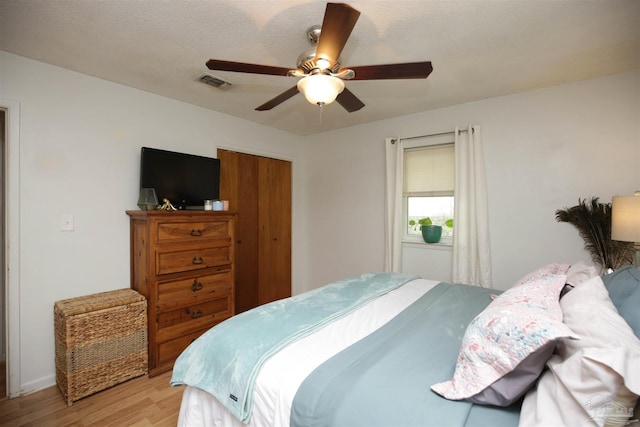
<point x="183" y="263"/>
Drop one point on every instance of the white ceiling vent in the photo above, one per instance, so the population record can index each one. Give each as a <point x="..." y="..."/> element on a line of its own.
<point x="215" y="81"/>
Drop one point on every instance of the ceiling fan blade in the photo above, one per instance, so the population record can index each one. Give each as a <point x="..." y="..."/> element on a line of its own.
<point x="242" y="67"/>
<point x="339" y="20"/>
<point x="278" y="99"/>
<point x="349" y="101"/>
<point x="409" y="70"/>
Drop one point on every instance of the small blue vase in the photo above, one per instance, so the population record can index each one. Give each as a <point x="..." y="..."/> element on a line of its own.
<point x="431" y="233"/>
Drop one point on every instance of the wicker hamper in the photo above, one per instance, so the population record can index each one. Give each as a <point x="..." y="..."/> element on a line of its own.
<point x="101" y="341"/>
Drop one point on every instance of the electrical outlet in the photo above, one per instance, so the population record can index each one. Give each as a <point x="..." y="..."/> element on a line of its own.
<point x="66" y="222"/>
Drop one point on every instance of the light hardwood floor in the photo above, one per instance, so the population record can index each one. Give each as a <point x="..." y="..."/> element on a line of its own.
<point x="142" y="401"/>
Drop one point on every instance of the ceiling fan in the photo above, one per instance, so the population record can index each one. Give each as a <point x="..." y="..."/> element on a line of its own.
<point x="323" y="77"/>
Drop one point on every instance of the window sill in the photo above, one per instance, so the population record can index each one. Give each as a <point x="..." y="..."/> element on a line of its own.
<point x="445" y="244"/>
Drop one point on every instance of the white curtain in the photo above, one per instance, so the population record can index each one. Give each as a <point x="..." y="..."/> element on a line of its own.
<point x="471" y="245"/>
<point x="393" y="208"/>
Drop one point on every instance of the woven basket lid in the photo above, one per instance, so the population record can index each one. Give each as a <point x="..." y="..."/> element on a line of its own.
<point x="99" y="301"/>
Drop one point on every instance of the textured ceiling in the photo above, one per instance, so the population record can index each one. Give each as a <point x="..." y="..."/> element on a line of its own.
<point x="479" y="49"/>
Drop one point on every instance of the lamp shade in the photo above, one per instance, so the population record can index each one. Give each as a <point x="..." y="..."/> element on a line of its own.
<point x="320" y="88"/>
<point x="625" y="218"/>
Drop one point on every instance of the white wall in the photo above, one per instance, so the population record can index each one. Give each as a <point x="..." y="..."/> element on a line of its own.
<point x="544" y="150"/>
<point x="80" y="144"/>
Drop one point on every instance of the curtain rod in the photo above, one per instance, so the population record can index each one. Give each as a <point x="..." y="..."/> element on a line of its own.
<point x="431" y="134"/>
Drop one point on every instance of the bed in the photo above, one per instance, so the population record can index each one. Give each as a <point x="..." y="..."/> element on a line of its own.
<point x="391" y="349"/>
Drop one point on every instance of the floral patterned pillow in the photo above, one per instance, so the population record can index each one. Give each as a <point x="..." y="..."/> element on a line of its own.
<point x="522" y="323"/>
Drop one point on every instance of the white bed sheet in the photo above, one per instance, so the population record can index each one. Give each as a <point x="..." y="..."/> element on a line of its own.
<point x="280" y="377"/>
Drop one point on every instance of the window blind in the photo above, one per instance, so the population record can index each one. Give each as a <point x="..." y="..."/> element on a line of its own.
<point x="429" y="171"/>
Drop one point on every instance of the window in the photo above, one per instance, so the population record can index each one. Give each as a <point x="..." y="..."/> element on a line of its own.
<point x="428" y="185"/>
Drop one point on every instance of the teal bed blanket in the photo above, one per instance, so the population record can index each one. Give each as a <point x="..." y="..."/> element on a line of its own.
<point x="384" y="379"/>
<point x="225" y="361"/>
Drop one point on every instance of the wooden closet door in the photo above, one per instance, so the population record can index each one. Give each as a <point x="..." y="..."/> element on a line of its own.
<point x="274" y="229"/>
<point x="239" y="185"/>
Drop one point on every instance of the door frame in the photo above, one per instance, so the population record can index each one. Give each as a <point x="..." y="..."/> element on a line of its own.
<point x="12" y="243"/>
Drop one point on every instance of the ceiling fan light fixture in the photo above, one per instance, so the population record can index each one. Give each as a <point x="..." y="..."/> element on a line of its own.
<point x="320" y="89"/>
<point x="319" y="68"/>
<point x="322" y="63"/>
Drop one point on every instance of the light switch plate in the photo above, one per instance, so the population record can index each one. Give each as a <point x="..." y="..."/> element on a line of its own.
<point x="66" y="222"/>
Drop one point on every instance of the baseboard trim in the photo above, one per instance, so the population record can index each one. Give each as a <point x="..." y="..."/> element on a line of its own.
<point x="36" y="385"/>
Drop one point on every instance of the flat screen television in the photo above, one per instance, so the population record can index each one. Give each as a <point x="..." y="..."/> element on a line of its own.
<point x="186" y="180"/>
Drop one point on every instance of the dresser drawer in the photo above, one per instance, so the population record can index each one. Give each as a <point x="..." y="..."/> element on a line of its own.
<point x="173" y="323"/>
<point x="170" y="350"/>
<point x="192" y="259"/>
<point x="172" y="293"/>
<point x="191" y="231"/>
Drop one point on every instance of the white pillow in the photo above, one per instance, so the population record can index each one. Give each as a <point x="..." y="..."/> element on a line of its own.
<point x="592" y="381"/>
<point x="580" y="272"/>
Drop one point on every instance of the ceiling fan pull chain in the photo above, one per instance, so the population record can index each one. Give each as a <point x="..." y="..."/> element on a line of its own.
<point x="321" y="104"/>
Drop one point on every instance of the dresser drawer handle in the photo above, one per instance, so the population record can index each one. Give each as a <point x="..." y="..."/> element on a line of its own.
<point x="197" y="261"/>
<point x="196" y="314"/>
<point x="196" y="286"/>
<point x="196" y="233"/>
